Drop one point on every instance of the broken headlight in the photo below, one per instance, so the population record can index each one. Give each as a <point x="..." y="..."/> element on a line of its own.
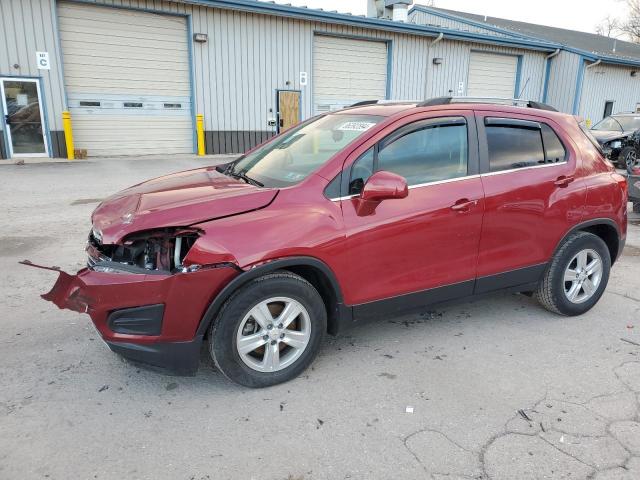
<point x="158" y="250"/>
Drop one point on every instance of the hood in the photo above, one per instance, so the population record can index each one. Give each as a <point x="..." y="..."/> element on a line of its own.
<point x="177" y="200"/>
<point x="604" y="136"/>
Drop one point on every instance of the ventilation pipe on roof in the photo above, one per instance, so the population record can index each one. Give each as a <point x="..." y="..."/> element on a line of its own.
<point x="396" y="10"/>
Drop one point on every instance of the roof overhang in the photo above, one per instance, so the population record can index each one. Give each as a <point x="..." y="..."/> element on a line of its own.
<point x="303" y="13"/>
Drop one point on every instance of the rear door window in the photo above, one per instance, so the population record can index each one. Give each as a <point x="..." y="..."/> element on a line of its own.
<point x="513" y="144"/>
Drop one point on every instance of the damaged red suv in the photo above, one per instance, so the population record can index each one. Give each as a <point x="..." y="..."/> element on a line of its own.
<point x="372" y="211"/>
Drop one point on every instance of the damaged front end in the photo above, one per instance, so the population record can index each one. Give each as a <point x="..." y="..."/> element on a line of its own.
<point x="144" y="298"/>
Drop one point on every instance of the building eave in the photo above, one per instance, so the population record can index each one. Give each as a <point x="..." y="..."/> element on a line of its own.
<point x="303" y="13"/>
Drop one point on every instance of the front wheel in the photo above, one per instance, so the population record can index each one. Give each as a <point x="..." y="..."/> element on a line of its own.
<point x="628" y="158"/>
<point x="269" y="331"/>
<point x="577" y="275"/>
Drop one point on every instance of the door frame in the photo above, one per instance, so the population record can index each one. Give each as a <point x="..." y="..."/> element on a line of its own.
<point x="4" y="109"/>
<point x="278" y="90"/>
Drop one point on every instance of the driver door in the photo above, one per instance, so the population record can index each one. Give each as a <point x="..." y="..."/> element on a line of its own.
<point x="423" y="248"/>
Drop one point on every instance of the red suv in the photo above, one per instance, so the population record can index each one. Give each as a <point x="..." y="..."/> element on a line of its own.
<point x="371" y="211"/>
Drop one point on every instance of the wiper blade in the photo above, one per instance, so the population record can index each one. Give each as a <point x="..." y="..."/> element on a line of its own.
<point x="243" y="176"/>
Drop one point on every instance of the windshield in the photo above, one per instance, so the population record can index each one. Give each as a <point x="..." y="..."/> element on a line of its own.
<point x="618" y="124"/>
<point x="292" y="156"/>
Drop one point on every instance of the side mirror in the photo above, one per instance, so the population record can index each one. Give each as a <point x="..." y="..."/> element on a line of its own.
<point x="380" y="186"/>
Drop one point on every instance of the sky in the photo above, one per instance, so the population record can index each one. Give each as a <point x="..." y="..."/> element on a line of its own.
<point x="581" y="15"/>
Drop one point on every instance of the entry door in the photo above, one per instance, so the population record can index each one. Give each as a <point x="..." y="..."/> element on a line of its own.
<point x="24" y="124"/>
<point x="288" y="109"/>
<point x="430" y="238"/>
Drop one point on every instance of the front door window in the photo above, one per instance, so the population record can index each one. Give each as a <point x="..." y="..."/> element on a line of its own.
<point x="23" y="122"/>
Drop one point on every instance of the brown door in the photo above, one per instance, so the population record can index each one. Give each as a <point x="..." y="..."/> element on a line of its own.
<point x="288" y="109"/>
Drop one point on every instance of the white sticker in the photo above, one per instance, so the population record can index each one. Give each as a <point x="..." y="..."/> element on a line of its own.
<point x="303" y="78"/>
<point x="42" y="59"/>
<point x="355" y="126"/>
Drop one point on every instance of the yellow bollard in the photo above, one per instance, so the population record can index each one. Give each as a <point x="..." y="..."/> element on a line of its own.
<point x="200" y="132"/>
<point x="68" y="134"/>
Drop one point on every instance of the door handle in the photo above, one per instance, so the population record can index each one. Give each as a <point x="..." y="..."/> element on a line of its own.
<point x="463" y="205"/>
<point x="7" y="119"/>
<point x="563" y="181"/>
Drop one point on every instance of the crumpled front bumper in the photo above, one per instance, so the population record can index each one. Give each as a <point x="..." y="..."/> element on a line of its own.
<point x="184" y="295"/>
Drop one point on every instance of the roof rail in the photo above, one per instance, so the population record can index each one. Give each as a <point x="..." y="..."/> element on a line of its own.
<point x="493" y="100"/>
<point x="364" y="102"/>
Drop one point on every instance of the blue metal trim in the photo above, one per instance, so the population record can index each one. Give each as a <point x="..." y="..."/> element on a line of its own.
<point x="547" y="75"/>
<point x="58" y="40"/>
<point x="492" y="28"/>
<point x="517" y="91"/>
<point x="389" y="68"/>
<point x="578" y="92"/>
<point x="192" y="86"/>
<point x="254" y="6"/>
<point x="5" y="154"/>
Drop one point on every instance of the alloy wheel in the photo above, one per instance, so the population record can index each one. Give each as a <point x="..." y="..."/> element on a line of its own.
<point x="273" y="334"/>
<point x="582" y="276"/>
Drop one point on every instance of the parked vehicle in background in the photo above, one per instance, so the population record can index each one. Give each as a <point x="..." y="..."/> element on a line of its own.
<point x="634" y="188"/>
<point x="368" y="212"/>
<point x="619" y="136"/>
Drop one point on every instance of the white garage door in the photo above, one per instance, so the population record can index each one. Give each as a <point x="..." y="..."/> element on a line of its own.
<point x="492" y="75"/>
<point x="127" y="80"/>
<point x="346" y="71"/>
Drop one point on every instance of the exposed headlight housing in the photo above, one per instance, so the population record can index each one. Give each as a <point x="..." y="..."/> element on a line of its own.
<point x="616" y="144"/>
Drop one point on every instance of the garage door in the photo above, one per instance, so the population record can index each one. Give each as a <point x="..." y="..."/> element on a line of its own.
<point x="346" y="71"/>
<point x="492" y="75"/>
<point x="127" y="80"/>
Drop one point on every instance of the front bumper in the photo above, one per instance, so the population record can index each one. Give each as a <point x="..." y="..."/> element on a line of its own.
<point x="184" y="295"/>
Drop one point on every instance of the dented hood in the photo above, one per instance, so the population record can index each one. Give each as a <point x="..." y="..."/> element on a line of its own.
<point x="179" y="199"/>
<point x="604" y="136"/>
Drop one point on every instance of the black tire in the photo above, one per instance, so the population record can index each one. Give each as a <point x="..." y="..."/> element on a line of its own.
<point x="551" y="290"/>
<point x="222" y="334"/>
<point x="627" y="152"/>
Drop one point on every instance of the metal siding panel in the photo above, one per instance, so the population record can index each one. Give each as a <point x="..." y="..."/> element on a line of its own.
<point x="562" y="80"/>
<point x="604" y="83"/>
<point x="424" y="18"/>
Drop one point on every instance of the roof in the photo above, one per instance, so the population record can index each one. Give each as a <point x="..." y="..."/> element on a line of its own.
<point x="320" y="15"/>
<point x="592" y="45"/>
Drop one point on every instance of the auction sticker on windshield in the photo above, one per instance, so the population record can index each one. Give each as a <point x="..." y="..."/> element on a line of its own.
<point x="355" y="126"/>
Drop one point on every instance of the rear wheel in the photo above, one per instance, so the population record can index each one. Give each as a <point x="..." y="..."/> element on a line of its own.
<point x="577" y="275"/>
<point x="269" y="331"/>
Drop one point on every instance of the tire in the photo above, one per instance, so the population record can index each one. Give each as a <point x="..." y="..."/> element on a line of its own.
<point x="242" y="318"/>
<point x="627" y="158"/>
<point x="553" y="291"/>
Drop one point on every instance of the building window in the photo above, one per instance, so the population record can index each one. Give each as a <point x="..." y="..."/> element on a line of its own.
<point x="513" y="147"/>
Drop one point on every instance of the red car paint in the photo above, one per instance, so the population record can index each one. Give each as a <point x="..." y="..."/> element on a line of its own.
<point x="448" y="233"/>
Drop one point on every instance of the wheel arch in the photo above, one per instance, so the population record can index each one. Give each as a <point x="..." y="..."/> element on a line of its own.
<point x="605" y="228"/>
<point x="313" y="270"/>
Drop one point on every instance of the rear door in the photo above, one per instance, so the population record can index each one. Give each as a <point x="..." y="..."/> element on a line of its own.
<point x="430" y="238"/>
<point x="532" y="197"/>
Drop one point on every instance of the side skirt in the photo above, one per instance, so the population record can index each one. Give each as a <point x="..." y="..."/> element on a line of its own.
<point x="520" y="280"/>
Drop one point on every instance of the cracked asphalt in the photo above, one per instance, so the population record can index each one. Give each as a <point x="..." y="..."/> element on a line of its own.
<point x="500" y="388"/>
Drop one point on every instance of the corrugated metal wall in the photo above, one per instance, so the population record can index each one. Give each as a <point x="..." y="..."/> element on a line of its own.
<point x="604" y="83"/>
<point x="563" y="75"/>
<point x="424" y="18"/>
<point x="27" y="28"/>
